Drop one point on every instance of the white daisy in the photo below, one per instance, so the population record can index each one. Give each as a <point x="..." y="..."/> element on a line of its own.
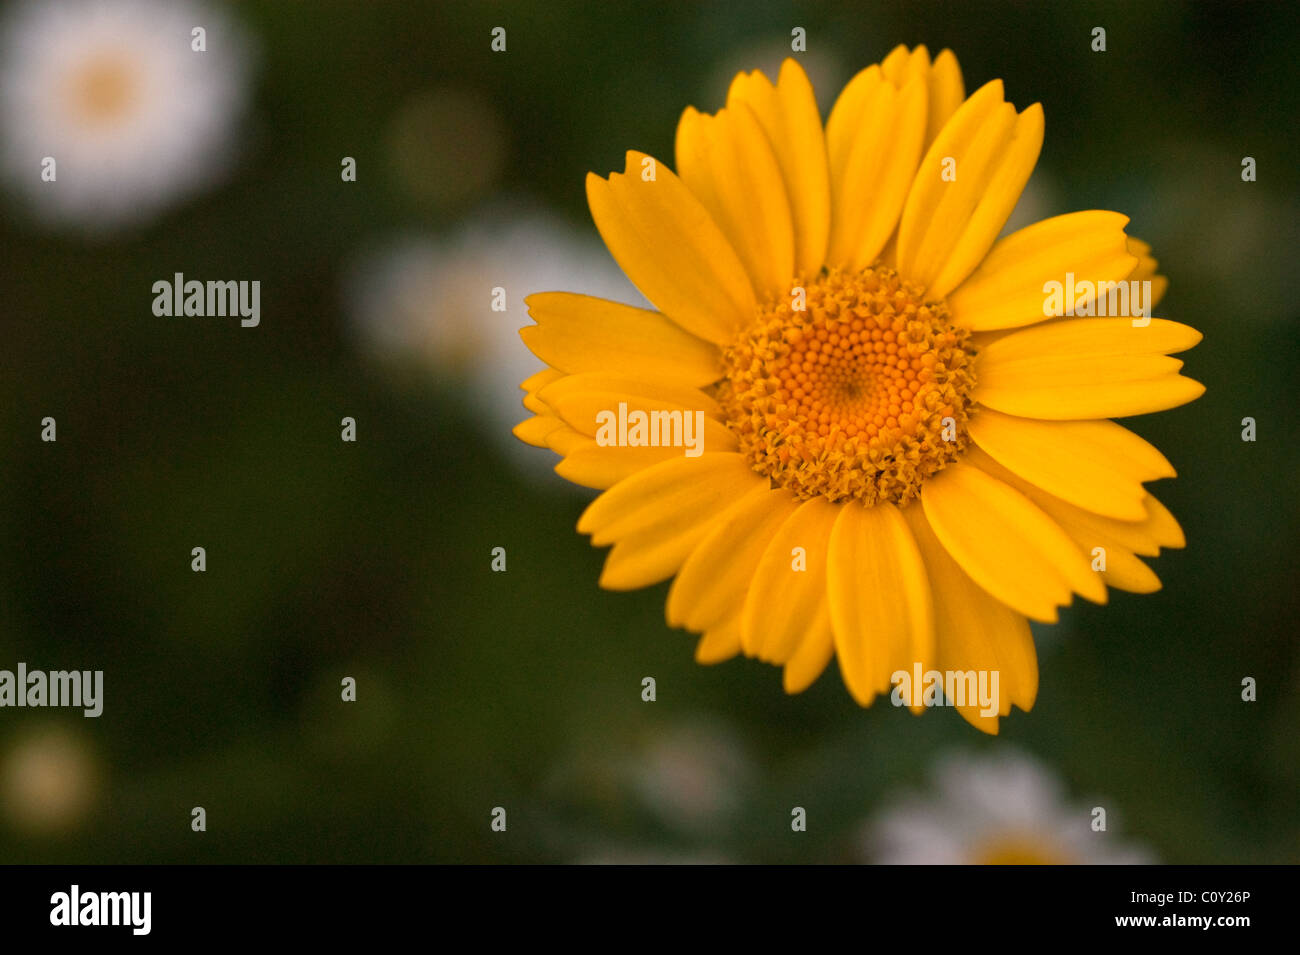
<point x="429" y="303"/>
<point x="114" y="92"/>
<point x="1001" y="808"/>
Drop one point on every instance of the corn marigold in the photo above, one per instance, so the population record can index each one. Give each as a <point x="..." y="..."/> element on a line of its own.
<point x="903" y="450"/>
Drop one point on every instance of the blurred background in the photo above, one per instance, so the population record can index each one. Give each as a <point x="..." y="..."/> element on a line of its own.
<point x="371" y="560"/>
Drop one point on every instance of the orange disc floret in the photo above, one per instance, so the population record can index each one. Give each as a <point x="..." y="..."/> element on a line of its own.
<point x="860" y="394"/>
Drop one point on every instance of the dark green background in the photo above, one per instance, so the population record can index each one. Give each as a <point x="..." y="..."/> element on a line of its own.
<point x="523" y="689"/>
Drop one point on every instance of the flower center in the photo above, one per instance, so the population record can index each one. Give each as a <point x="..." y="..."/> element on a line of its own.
<point x="1018" y="849"/>
<point x="852" y="388"/>
<point x="103" y="88"/>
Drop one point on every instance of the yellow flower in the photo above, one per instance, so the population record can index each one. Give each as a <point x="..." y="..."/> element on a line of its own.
<point x="902" y="419"/>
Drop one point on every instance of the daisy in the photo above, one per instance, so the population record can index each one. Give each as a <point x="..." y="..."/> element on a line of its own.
<point x="1001" y="809"/>
<point x="905" y="458"/>
<point x="115" y="94"/>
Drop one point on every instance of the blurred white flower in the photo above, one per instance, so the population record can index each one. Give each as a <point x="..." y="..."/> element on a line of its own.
<point x="691" y="776"/>
<point x="114" y="92"/>
<point x="49" y="780"/>
<point x="1002" y="808"/>
<point x="425" y="301"/>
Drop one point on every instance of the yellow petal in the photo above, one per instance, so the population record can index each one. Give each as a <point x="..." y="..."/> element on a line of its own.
<point x="580" y="399"/>
<point x="719" y="643"/>
<point x="1087" y="527"/>
<point x="671" y="249"/>
<point x="812" y="655"/>
<point x="949" y="224"/>
<point x="929" y="190"/>
<point x="668" y="499"/>
<point x="1059" y="389"/>
<point x="975" y="631"/>
<point x="590" y="465"/>
<point x="879" y="599"/>
<point x="659" y="515"/>
<point x="1123" y="569"/>
<point x="1004" y="180"/>
<point x="716" y="576"/>
<point x="785" y="601"/>
<point x="946" y="94"/>
<point x="789" y="117"/>
<point x="1106" y="544"/>
<point x="902" y="65"/>
<point x="535" y="404"/>
<point x="535" y="429"/>
<point x="564" y="440"/>
<point x="1162" y="526"/>
<point x="579" y="333"/>
<point x="1145" y="270"/>
<point x="1005" y="543"/>
<point x="1098" y="465"/>
<point x="1156" y="529"/>
<point x="1007" y="290"/>
<point x="1094" y="337"/>
<point x="945" y="90"/>
<point x="581" y="409"/>
<point x="537" y="382"/>
<point x="727" y="161"/>
<point x="1086" y="368"/>
<point x="614" y="385"/>
<point x="847" y="117"/>
<point x="874" y="139"/>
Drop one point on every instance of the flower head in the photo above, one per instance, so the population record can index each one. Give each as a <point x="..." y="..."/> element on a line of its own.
<point x="904" y="448"/>
<point x="1001" y="809"/>
<point x="133" y="107"/>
